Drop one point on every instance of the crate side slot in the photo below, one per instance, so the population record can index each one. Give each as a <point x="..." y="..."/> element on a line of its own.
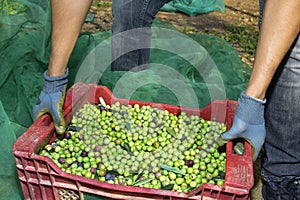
<point x="239" y="168"/>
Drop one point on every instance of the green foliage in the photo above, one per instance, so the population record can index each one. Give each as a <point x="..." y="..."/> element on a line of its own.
<point x="243" y="38"/>
<point x="102" y="4"/>
<point x="11" y="7"/>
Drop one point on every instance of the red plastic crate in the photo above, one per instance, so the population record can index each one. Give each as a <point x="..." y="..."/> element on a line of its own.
<point x="42" y="179"/>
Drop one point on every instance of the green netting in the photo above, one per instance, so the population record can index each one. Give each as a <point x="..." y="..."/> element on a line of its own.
<point x="194" y="7"/>
<point x="9" y="185"/>
<point x="184" y="70"/>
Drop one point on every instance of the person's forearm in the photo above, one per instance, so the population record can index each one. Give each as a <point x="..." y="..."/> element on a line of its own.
<point x="67" y="19"/>
<point x="280" y="27"/>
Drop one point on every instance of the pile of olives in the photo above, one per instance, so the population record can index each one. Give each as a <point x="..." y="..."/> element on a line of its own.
<point x="137" y="145"/>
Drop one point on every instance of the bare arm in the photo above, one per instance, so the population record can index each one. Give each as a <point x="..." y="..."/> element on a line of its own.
<point x="67" y="19"/>
<point x="280" y="27"/>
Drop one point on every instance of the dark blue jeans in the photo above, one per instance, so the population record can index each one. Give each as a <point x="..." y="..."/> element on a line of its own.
<point x="286" y="189"/>
<point x="281" y="158"/>
<point x="131" y="32"/>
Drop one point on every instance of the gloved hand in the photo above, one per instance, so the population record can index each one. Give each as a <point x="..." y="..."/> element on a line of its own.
<point x="248" y="123"/>
<point x="51" y="100"/>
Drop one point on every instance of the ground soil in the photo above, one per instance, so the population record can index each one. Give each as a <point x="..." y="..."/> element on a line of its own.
<point x="237" y="13"/>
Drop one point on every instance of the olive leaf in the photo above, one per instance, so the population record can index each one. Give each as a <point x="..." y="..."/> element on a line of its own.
<point x="73" y="128"/>
<point x="191" y="188"/>
<point x="188" y="122"/>
<point x="127" y="148"/>
<point x="221" y="174"/>
<point x="172" y="169"/>
<point x="168" y="187"/>
<point x="218" y="178"/>
<point x="96" y="177"/>
<point x="139" y="175"/>
<point x="112" y="110"/>
<point x="171" y="131"/>
<point x="134" y="172"/>
<point x="115" y="172"/>
<point x="127" y="125"/>
<point x="142" y="182"/>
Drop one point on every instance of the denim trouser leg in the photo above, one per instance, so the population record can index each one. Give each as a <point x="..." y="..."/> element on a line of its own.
<point x="285" y="189"/>
<point x="281" y="159"/>
<point x="131" y="32"/>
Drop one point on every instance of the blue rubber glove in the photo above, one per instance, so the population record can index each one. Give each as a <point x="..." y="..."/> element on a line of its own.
<point x="51" y="100"/>
<point x="249" y="123"/>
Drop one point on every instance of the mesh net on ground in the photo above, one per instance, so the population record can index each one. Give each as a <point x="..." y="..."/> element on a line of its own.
<point x="194" y="7"/>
